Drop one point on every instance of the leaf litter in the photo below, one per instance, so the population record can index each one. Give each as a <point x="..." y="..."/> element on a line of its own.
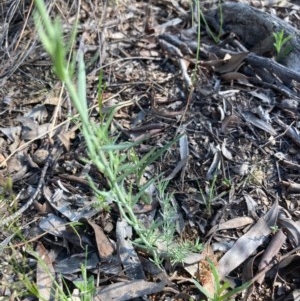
<point x="233" y="173"/>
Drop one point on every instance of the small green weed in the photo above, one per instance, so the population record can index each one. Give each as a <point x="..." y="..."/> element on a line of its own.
<point x="209" y="194"/>
<point x="86" y="286"/>
<point x="281" y="44"/>
<point x="222" y="291"/>
<point x="274" y="229"/>
<point x="178" y="250"/>
<point x="105" y="151"/>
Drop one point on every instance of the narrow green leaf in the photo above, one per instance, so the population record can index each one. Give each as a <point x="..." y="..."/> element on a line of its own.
<point x="202" y="289"/>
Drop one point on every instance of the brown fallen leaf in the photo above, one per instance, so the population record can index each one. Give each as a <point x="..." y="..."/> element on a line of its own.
<point x="45" y="274"/>
<point x="231" y="62"/>
<point x="234" y="223"/>
<point x="104" y="246"/>
<point x="235" y="76"/>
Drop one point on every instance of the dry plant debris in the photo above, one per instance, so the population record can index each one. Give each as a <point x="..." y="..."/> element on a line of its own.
<point x="233" y="174"/>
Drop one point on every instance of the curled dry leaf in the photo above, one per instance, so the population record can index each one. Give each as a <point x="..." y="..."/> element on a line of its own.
<point x="225" y="151"/>
<point x="214" y="165"/>
<point x="292" y="228"/>
<point x="251" y="205"/>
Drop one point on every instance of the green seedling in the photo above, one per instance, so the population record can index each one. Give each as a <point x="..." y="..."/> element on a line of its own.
<point x="274" y="229"/>
<point x="282" y="47"/>
<point x="209" y="195"/>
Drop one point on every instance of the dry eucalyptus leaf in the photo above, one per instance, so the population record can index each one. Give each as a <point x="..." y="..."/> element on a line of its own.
<point x="214" y="165"/>
<point x="294" y="296"/>
<point x="229" y="122"/>
<point x="262" y="96"/>
<point x="235" y="223"/>
<point x="271" y="252"/>
<point x="12" y="133"/>
<point x="74" y="263"/>
<point x="123" y="291"/>
<point x="290" y="267"/>
<point x="104" y="246"/>
<point x="45" y="274"/>
<point x="290" y="131"/>
<point x="16" y="163"/>
<point x="53" y="225"/>
<point x="240" y="77"/>
<point x="251" y="206"/>
<point x="231" y="63"/>
<point x="183" y="147"/>
<point x="292" y="228"/>
<point x="129" y="258"/>
<point x="74" y="207"/>
<point x="179" y="166"/>
<point x="249" y="242"/>
<point x="289" y="104"/>
<point x="252" y="119"/>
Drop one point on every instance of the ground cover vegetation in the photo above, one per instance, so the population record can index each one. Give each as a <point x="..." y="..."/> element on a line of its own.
<point x="149" y="150"/>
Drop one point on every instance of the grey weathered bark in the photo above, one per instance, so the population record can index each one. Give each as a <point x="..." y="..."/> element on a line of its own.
<point x="255" y="28"/>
